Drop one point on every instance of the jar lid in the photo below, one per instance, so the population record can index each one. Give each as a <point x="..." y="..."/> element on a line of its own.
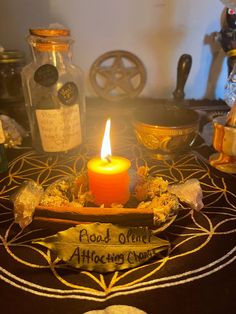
<point x="49" y="32"/>
<point x="8" y="56"/>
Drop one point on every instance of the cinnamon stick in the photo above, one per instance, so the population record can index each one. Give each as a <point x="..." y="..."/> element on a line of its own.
<point x="123" y="216"/>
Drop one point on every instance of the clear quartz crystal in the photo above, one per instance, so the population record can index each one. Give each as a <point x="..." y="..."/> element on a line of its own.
<point x="230" y="98"/>
<point x="230" y="88"/>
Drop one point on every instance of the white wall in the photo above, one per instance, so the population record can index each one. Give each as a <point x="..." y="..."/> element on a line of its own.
<point x="157" y="31"/>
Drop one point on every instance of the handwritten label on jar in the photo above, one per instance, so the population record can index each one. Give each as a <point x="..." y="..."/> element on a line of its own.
<point x="59" y="129"/>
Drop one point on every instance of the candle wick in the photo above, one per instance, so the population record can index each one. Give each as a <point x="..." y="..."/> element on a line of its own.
<point x="108" y="158"/>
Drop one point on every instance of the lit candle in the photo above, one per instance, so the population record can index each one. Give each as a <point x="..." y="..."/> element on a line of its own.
<point x="108" y="175"/>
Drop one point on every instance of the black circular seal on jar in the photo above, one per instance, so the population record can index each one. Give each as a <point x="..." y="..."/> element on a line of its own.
<point x="46" y="75"/>
<point x="68" y="93"/>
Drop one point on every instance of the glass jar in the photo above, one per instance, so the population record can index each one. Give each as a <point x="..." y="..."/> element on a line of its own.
<point x="11" y="64"/>
<point x="54" y="93"/>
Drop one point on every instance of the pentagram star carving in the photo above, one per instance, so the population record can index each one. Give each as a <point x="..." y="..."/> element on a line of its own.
<point x="117" y="75"/>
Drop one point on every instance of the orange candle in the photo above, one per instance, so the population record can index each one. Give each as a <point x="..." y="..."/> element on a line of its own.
<point x="108" y="175"/>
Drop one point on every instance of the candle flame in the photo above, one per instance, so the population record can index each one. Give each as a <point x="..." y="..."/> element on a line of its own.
<point x="106" y="143"/>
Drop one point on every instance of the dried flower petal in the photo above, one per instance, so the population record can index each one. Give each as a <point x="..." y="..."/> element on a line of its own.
<point x="115" y="205"/>
<point x="143" y="171"/>
<point x="141" y="191"/>
<point x="157" y="186"/>
<point x="25" y="201"/>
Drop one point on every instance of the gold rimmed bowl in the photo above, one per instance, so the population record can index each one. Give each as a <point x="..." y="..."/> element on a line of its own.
<point x="165" y="130"/>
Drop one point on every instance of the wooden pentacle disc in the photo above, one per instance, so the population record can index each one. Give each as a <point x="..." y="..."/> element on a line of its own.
<point x="117" y="75"/>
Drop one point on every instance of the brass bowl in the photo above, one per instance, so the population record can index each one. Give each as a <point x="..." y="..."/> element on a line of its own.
<point x="224" y="139"/>
<point x="165" y="130"/>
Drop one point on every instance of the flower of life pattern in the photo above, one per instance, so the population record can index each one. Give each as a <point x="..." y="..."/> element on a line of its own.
<point x="192" y="235"/>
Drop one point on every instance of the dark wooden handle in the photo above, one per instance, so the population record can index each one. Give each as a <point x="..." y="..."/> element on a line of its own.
<point x="183" y="69"/>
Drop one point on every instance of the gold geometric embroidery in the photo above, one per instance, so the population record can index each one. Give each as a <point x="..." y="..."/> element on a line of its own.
<point x="191" y="234"/>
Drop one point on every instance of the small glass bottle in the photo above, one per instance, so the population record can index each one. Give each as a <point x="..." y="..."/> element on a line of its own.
<point x="54" y="93"/>
<point x="11" y="64"/>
